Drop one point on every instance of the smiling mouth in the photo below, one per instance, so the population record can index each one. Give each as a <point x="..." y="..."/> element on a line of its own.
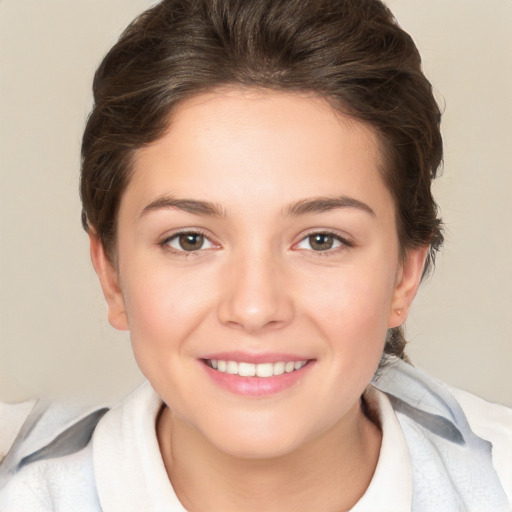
<point x="263" y="370"/>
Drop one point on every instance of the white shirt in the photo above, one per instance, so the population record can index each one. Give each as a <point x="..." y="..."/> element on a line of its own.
<point x="121" y="468"/>
<point x="127" y="434"/>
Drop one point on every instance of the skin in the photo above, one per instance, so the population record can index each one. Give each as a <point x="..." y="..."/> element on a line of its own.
<point x="258" y="285"/>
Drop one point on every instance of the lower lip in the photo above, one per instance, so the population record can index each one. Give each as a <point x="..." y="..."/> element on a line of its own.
<point x="256" y="386"/>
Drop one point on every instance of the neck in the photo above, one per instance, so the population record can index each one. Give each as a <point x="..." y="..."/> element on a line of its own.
<point x="329" y="473"/>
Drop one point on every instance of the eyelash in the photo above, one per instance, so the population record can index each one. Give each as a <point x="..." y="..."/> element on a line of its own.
<point x="164" y="244"/>
<point x="344" y="243"/>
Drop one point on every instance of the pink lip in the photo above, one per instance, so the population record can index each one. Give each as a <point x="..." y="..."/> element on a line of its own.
<point x="256" y="386"/>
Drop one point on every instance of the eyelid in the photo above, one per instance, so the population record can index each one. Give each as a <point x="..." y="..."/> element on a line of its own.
<point x="344" y="240"/>
<point x="168" y="237"/>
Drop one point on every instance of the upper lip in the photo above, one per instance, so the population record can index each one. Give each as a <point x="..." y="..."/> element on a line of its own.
<point x="243" y="357"/>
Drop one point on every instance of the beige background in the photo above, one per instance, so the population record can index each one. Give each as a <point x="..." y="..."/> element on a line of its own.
<point x="53" y="331"/>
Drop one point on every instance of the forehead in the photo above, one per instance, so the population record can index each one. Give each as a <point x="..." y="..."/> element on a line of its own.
<point x="240" y="144"/>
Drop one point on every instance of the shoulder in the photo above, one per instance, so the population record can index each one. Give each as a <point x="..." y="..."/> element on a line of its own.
<point x="459" y="445"/>
<point x="12" y="418"/>
<point x="46" y="459"/>
<point x="492" y="422"/>
<point x="62" y="457"/>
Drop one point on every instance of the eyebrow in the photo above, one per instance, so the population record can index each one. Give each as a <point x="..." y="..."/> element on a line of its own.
<point x="325" y="204"/>
<point x="188" y="205"/>
<point x="295" y="209"/>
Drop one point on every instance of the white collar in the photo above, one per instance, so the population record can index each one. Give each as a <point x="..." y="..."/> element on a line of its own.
<point x="130" y="473"/>
<point x="391" y="485"/>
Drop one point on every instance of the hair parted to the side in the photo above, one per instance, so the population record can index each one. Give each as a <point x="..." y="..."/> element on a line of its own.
<point x="350" y="52"/>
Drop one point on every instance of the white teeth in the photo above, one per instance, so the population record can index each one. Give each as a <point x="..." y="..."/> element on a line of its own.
<point x="246" y="369"/>
<point x="289" y="367"/>
<point x="232" y="367"/>
<point x="279" y="368"/>
<point x="265" y="370"/>
<point x="259" y="370"/>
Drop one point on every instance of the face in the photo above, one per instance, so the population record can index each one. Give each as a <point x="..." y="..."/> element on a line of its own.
<point x="258" y="268"/>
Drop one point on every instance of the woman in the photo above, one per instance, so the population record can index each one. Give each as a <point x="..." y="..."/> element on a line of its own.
<point x="256" y="188"/>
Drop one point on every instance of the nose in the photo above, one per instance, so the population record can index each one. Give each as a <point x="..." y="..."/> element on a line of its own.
<point x="255" y="294"/>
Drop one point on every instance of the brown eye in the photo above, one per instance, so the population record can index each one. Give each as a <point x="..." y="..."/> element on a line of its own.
<point x="321" y="241"/>
<point x="191" y="241"/>
<point x="188" y="242"/>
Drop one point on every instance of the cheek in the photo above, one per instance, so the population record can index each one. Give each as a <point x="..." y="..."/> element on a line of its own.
<point x="351" y="306"/>
<point x="159" y="325"/>
<point x="163" y="307"/>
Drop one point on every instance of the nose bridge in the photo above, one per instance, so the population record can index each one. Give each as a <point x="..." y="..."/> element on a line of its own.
<point x="255" y="295"/>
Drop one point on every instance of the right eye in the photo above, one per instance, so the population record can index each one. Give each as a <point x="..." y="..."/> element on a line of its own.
<point x="323" y="242"/>
<point x="189" y="241"/>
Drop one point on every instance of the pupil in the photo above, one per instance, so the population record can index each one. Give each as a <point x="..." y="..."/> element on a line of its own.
<point x="321" y="242"/>
<point x="191" y="241"/>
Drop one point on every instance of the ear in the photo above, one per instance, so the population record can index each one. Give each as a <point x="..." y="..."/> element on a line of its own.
<point x="407" y="284"/>
<point x="108" y="277"/>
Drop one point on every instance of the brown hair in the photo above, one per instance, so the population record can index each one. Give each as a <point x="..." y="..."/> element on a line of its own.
<point x="351" y="52"/>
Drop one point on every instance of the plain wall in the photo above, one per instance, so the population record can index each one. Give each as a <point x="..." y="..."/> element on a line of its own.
<point x="54" y="336"/>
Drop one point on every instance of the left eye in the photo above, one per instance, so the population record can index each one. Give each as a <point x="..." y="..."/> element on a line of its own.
<point x="189" y="242"/>
<point x="320" y="242"/>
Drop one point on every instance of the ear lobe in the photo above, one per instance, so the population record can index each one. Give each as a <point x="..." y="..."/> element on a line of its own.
<point x="408" y="282"/>
<point x="107" y="275"/>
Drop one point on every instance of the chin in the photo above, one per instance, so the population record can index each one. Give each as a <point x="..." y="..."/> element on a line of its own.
<point x="260" y="438"/>
<point x="257" y="447"/>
